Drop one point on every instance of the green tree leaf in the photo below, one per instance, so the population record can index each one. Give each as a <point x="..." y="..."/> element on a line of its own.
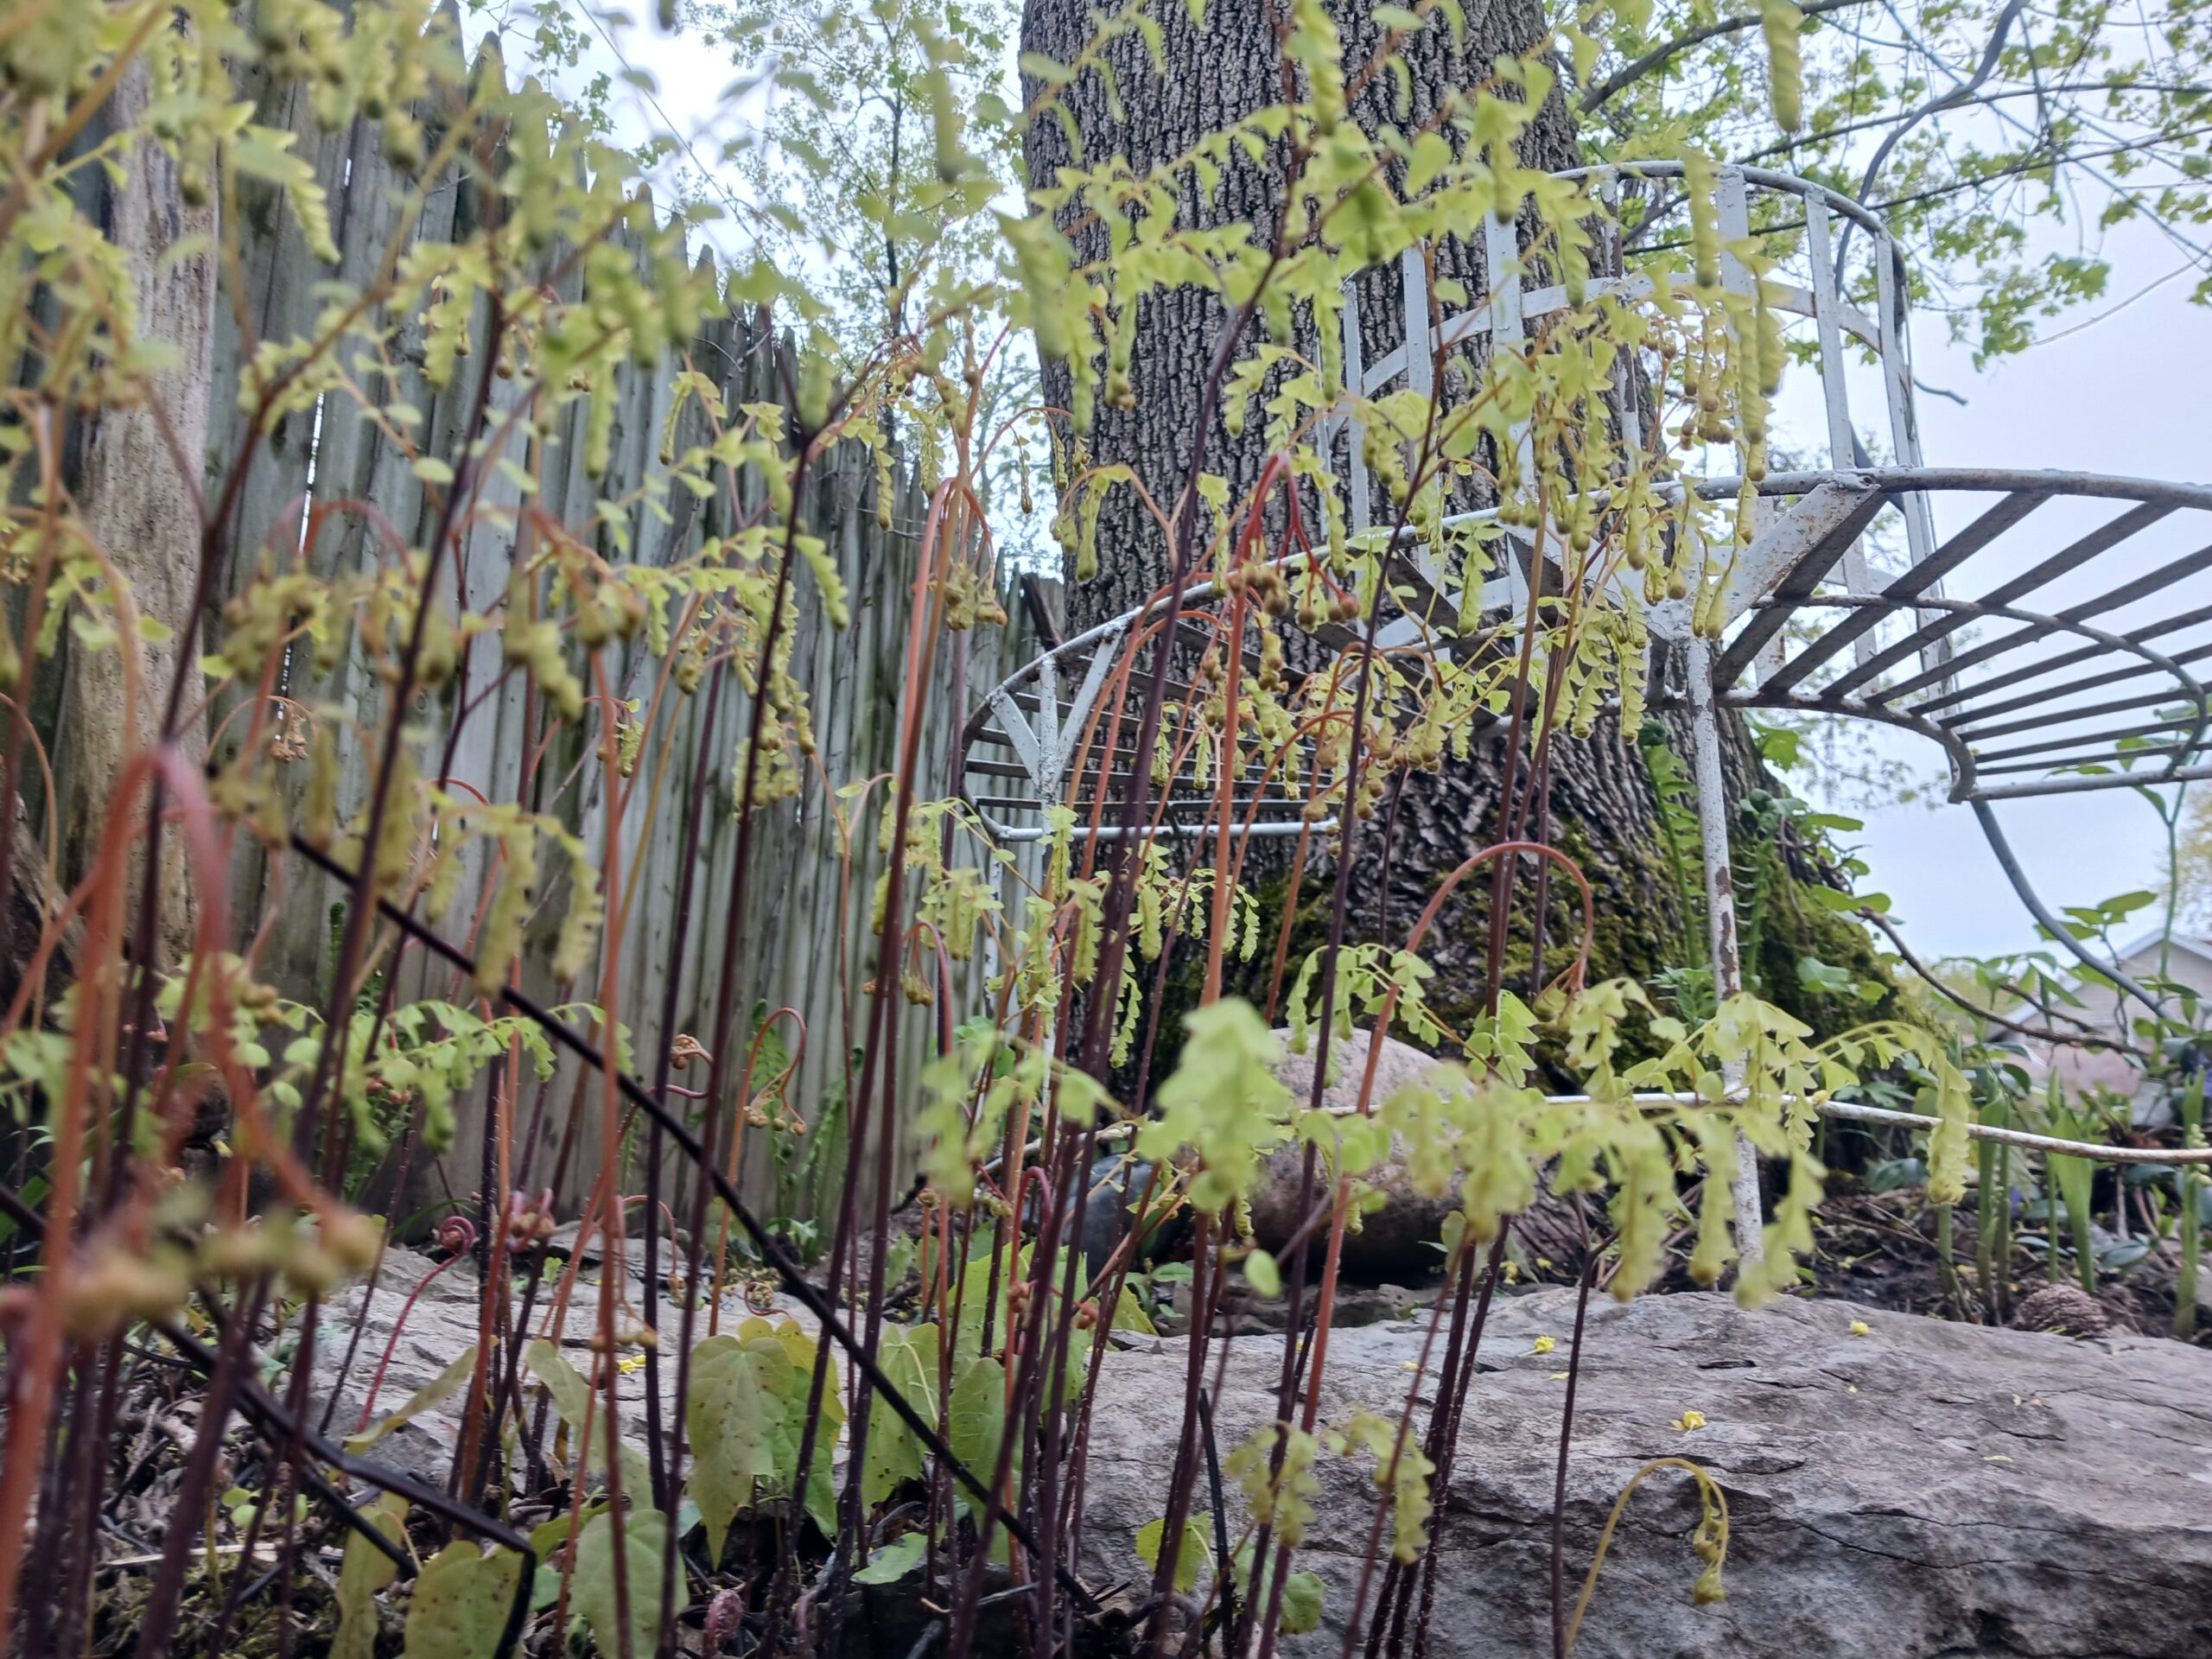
<point x="894" y="1561"/>
<point x="1301" y="1604"/>
<point x="741" y="1427"/>
<point x="1129" y="1314"/>
<point x="572" y="1399"/>
<point x="1224" y="1102"/>
<point x="365" y="1571"/>
<point x="460" y="1602"/>
<point x="909" y="1358"/>
<point x="438" y="1390"/>
<point x="1263" y="1274"/>
<point x="592" y="1589"/>
<point x="976" y="1417"/>
<point x="1188" y="1559"/>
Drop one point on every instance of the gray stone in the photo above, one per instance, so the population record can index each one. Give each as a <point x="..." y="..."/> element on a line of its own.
<point x="1400" y="1239"/>
<point x="442" y="1324"/>
<point x="1402" y="1236"/>
<point x="562" y="1245"/>
<point x="1924" y="1490"/>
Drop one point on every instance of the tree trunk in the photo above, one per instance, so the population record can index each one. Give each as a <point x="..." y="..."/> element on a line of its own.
<point x="135" y="492"/>
<point x="1214" y="78"/>
<point x="1603" y="810"/>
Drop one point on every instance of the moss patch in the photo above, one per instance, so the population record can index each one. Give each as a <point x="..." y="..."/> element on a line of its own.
<point x="1637" y="940"/>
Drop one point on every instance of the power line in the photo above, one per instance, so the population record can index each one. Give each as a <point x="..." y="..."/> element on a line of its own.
<point x="641" y="82"/>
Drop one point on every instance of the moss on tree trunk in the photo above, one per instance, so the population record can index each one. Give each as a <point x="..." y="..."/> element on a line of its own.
<point x="1642" y="924"/>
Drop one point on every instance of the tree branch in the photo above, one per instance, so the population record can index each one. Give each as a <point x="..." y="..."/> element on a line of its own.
<point x="1961" y="94"/>
<point x="1805" y="140"/>
<point x="2041" y="1034"/>
<point x="1630" y="73"/>
<point x="2047" y="162"/>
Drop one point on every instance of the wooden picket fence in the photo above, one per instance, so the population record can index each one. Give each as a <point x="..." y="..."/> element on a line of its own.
<point x="805" y="939"/>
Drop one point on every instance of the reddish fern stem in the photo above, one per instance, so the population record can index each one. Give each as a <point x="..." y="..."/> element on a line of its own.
<point x="455" y="1233"/>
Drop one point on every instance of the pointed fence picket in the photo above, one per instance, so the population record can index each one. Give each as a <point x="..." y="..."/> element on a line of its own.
<point x="805" y="940"/>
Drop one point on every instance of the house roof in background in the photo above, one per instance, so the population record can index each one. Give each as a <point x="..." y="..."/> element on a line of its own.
<point x="2196" y="947"/>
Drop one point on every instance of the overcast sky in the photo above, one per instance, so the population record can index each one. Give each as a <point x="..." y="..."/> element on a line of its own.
<point x="2125" y="394"/>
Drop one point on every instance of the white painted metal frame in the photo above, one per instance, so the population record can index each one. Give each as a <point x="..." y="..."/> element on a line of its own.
<point x="1025" y="714"/>
<point x="2024" y="702"/>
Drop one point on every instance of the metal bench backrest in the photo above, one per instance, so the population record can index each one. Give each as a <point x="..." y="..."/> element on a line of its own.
<point x="1508" y="311"/>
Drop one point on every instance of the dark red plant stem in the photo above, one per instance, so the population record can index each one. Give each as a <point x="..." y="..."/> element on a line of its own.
<point x="944" y="539"/>
<point x="1045" y="1361"/>
<point x="1223" y="1567"/>
<point x="375" y="1384"/>
<point x="1289" y="915"/>
<point x="1501" y="884"/>
<point x="863" y="1111"/>
<point x="667" y="1470"/>
<point x="725" y="985"/>
<point x="1566" y="1437"/>
<point x="1389" y="834"/>
<point x="1028" y="1346"/>
<point x="1295" y="1355"/>
<point x="687" y="1143"/>
<point x="294" y="1461"/>
<point x="157" y="1617"/>
<point x="234" y="1597"/>
<point x="663" y="1479"/>
<point x="1386" y="1473"/>
<point x="1340" y="905"/>
<point x="1023" y="1349"/>
<point x="1122" y="890"/>
<point x="1444" y="1444"/>
<point x="472" y="1468"/>
<point x="529" y="1435"/>
<point x="1285" y="1390"/>
<point x="1142" y="1091"/>
<point x="1109" y="1297"/>
<point x="1006" y="1228"/>
<point x="940" y="1478"/>
<point x="1294" y="1350"/>
<point x="1544" y="879"/>
<point x="1450" y="1403"/>
<point x="33" y="615"/>
<point x="1049" y="1523"/>
<point x="1206" y="1272"/>
<point x="91" y="1482"/>
<point x="68" y="1447"/>
<point x="407" y="1146"/>
<point x="1394" y="1571"/>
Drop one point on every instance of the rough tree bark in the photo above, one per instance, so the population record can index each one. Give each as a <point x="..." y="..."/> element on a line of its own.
<point x="1604" y="809"/>
<point x="134" y="493"/>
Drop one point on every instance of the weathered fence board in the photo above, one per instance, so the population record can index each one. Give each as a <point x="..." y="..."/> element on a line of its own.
<point x="337" y="490"/>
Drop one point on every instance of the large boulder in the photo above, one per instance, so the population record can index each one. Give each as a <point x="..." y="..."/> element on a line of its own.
<point x="1401" y="1237"/>
<point x="1924" y="1489"/>
<point x="441" y="1324"/>
<point x="1400" y="1240"/>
